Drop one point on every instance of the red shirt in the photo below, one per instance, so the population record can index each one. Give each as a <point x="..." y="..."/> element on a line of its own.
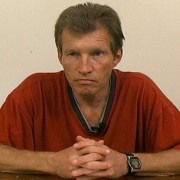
<point x="41" y="114"/>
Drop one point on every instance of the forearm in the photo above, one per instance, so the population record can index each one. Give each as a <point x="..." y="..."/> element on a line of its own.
<point x="162" y="162"/>
<point x="13" y="160"/>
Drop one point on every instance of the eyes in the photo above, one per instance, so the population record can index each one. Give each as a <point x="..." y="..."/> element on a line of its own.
<point x="72" y="54"/>
<point x="98" y="53"/>
<point x="93" y="54"/>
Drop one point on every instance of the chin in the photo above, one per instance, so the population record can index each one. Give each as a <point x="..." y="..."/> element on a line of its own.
<point x="86" y="92"/>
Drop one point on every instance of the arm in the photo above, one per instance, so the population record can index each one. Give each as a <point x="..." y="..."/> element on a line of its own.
<point x="23" y="161"/>
<point x="14" y="160"/>
<point x="162" y="162"/>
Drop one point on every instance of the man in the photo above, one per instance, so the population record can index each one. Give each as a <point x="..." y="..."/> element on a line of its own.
<point x="90" y="120"/>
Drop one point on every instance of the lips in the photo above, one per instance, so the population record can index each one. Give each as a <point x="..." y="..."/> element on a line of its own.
<point x="85" y="81"/>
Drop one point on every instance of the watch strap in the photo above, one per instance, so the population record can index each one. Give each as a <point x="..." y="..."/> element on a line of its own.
<point x="128" y="155"/>
<point x="134" y="163"/>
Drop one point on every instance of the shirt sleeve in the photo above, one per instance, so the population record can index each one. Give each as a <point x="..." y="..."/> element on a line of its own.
<point x="15" y="126"/>
<point x="162" y="127"/>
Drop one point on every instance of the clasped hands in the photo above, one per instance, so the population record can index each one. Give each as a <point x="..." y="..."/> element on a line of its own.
<point x="95" y="160"/>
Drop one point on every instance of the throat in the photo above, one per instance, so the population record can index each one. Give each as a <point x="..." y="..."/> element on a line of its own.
<point x="95" y="116"/>
<point x="93" y="113"/>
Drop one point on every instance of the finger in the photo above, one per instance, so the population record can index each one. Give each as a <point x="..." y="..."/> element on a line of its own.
<point x="93" y="173"/>
<point x="82" y="171"/>
<point x="80" y="138"/>
<point x="84" y="142"/>
<point x="100" y="149"/>
<point x="87" y="158"/>
<point x="108" y="173"/>
<point x="97" y="165"/>
<point x="101" y="141"/>
<point x="85" y="178"/>
<point x="87" y="142"/>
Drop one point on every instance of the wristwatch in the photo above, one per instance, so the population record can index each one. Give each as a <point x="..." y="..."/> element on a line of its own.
<point x="134" y="163"/>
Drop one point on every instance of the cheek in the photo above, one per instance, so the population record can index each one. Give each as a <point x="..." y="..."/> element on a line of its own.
<point x="106" y="67"/>
<point x="105" y="72"/>
<point x="68" y="67"/>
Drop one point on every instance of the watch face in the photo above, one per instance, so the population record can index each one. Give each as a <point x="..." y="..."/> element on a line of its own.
<point x="135" y="163"/>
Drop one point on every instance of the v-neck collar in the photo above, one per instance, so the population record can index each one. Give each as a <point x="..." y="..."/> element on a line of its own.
<point x="103" y="124"/>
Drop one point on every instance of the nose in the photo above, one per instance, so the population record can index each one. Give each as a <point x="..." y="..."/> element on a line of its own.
<point x="85" y="65"/>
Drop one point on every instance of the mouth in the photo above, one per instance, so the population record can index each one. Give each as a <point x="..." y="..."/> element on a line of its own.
<point x="85" y="81"/>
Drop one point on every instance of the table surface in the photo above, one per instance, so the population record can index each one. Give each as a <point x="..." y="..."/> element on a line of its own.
<point x="9" y="176"/>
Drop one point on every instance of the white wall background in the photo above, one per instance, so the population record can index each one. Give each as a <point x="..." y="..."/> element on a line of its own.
<point x="152" y="46"/>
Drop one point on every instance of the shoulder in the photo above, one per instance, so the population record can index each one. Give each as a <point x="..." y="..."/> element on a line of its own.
<point x="37" y="77"/>
<point x="138" y="84"/>
<point x="136" y="78"/>
<point x="39" y="83"/>
<point x="41" y="78"/>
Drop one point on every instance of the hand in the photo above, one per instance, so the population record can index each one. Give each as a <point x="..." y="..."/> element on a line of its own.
<point x="86" y="156"/>
<point x="61" y="163"/>
<point x="97" y="160"/>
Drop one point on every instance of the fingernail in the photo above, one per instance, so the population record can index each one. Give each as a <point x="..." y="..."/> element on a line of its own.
<point x="75" y="145"/>
<point x="74" y="173"/>
<point x="109" y="165"/>
<point x="107" y="151"/>
<point x="75" y="161"/>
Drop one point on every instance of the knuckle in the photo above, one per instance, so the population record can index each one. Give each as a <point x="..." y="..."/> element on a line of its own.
<point x="70" y="168"/>
<point x="93" y="142"/>
<point x="111" y="172"/>
<point x="89" y="148"/>
<point x="96" y="156"/>
<point x="88" y="165"/>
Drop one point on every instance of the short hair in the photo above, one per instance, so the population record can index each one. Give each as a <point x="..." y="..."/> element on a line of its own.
<point x="87" y="17"/>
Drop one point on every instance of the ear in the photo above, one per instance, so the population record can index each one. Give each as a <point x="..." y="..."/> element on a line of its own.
<point x="118" y="57"/>
<point x="59" y="56"/>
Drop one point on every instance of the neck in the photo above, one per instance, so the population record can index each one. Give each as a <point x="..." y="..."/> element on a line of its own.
<point x="92" y="100"/>
<point x="93" y="107"/>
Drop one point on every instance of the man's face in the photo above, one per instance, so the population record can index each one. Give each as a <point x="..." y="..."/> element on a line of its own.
<point x="88" y="61"/>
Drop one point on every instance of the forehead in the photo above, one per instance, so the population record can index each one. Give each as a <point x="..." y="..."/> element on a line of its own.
<point x="98" y="37"/>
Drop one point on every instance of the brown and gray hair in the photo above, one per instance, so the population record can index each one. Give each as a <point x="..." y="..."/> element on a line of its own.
<point x="87" y="17"/>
